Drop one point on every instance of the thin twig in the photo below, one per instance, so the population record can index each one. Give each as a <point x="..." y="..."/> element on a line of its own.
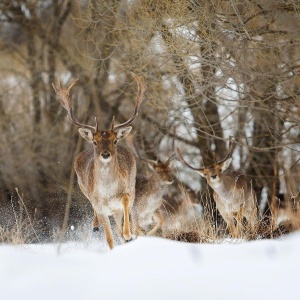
<point x="69" y="196"/>
<point x="28" y="216"/>
<point x="240" y="19"/>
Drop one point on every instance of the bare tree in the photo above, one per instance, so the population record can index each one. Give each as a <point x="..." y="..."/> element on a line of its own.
<point x="214" y="69"/>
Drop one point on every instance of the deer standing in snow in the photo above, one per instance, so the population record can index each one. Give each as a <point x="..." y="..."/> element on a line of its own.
<point x="149" y="195"/>
<point x="233" y="193"/>
<point x="106" y="173"/>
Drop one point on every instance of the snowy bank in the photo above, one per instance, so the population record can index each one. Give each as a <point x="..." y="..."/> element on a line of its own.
<point x="152" y="268"/>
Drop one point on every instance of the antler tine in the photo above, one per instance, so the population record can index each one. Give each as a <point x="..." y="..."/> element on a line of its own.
<point x="170" y="159"/>
<point x="139" y="99"/>
<point x="96" y="124"/>
<point x="112" y="126"/>
<point x="148" y="160"/>
<point x="230" y="149"/>
<point x="179" y="156"/>
<point x="214" y="157"/>
<point x="64" y="96"/>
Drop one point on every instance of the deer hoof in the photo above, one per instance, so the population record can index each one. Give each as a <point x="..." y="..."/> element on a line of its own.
<point x="95" y="229"/>
<point x="127" y="236"/>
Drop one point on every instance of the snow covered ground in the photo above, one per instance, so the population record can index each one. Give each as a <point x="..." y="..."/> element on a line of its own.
<point x="153" y="268"/>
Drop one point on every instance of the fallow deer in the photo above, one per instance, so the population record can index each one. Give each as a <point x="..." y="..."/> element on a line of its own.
<point x="106" y="173"/>
<point x="180" y="215"/>
<point x="233" y="193"/>
<point x="149" y="195"/>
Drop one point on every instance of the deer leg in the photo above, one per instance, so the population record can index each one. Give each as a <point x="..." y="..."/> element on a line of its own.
<point x="232" y="221"/>
<point x="104" y="220"/>
<point x="239" y="221"/>
<point x="118" y="218"/>
<point x="95" y="222"/>
<point x="232" y="228"/>
<point x="134" y="222"/>
<point x="252" y="223"/>
<point x="126" y="223"/>
<point x="159" y="220"/>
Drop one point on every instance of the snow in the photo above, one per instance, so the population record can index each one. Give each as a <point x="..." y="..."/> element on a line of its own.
<point x="152" y="268"/>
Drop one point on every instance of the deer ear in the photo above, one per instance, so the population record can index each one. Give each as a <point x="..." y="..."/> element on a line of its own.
<point x="87" y="134"/>
<point x="226" y="164"/>
<point x="123" y="132"/>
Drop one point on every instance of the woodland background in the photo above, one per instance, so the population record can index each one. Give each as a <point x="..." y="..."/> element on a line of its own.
<point x="213" y="69"/>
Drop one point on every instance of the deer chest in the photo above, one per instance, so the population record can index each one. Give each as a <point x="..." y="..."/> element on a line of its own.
<point x="112" y="205"/>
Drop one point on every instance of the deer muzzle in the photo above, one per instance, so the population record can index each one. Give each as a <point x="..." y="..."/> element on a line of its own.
<point x="105" y="155"/>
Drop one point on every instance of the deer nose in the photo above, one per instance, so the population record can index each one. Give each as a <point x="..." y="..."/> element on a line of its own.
<point x="213" y="176"/>
<point x="105" y="154"/>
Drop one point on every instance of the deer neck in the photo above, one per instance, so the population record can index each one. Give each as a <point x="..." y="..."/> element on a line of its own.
<point x="219" y="187"/>
<point x="155" y="178"/>
<point x="106" y="171"/>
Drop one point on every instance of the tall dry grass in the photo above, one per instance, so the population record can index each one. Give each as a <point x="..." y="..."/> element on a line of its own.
<point x="22" y="228"/>
<point x="183" y="222"/>
<point x="284" y="219"/>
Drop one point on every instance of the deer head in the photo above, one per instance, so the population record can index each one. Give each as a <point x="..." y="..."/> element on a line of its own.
<point x="163" y="170"/>
<point x="104" y="141"/>
<point x="212" y="173"/>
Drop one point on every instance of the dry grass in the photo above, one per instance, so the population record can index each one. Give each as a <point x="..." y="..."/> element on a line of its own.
<point x="20" y="231"/>
<point x="209" y="228"/>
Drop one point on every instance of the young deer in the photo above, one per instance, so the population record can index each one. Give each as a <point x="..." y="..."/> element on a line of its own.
<point x="149" y="193"/>
<point x="233" y="193"/>
<point x="106" y="173"/>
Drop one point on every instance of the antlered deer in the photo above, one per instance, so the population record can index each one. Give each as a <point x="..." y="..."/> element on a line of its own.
<point x="106" y="173"/>
<point x="149" y="195"/>
<point x="233" y="193"/>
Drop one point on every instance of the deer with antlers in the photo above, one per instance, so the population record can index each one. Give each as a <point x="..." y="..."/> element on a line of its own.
<point x="106" y="173"/>
<point x="233" y="193"/>
<point x="149" y="195"/>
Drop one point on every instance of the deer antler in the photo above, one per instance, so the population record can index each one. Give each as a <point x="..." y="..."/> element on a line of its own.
<point x="170" y="159"/>
<point x="179" y="156"/>
<point x="64" y="96"/>
<point x="151" y="161"/>
<point x="230" y="150"/>
<point x="139" y="99"/>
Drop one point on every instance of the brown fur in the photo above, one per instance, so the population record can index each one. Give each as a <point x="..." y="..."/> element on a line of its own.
<point x="234" y="196"/>
<point x="180" y="216"/>
<point x="106" y="174"/>
<point x="119" y="180"/>
<point x="148" y="197"/>
<point x="233" y="193"/>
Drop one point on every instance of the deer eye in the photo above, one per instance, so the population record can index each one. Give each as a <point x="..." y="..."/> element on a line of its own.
<point x="95" y="143"/>
<point x="115" y="142"/>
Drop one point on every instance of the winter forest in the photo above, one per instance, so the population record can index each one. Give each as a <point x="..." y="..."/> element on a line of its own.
<point x="213" y="70"/>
